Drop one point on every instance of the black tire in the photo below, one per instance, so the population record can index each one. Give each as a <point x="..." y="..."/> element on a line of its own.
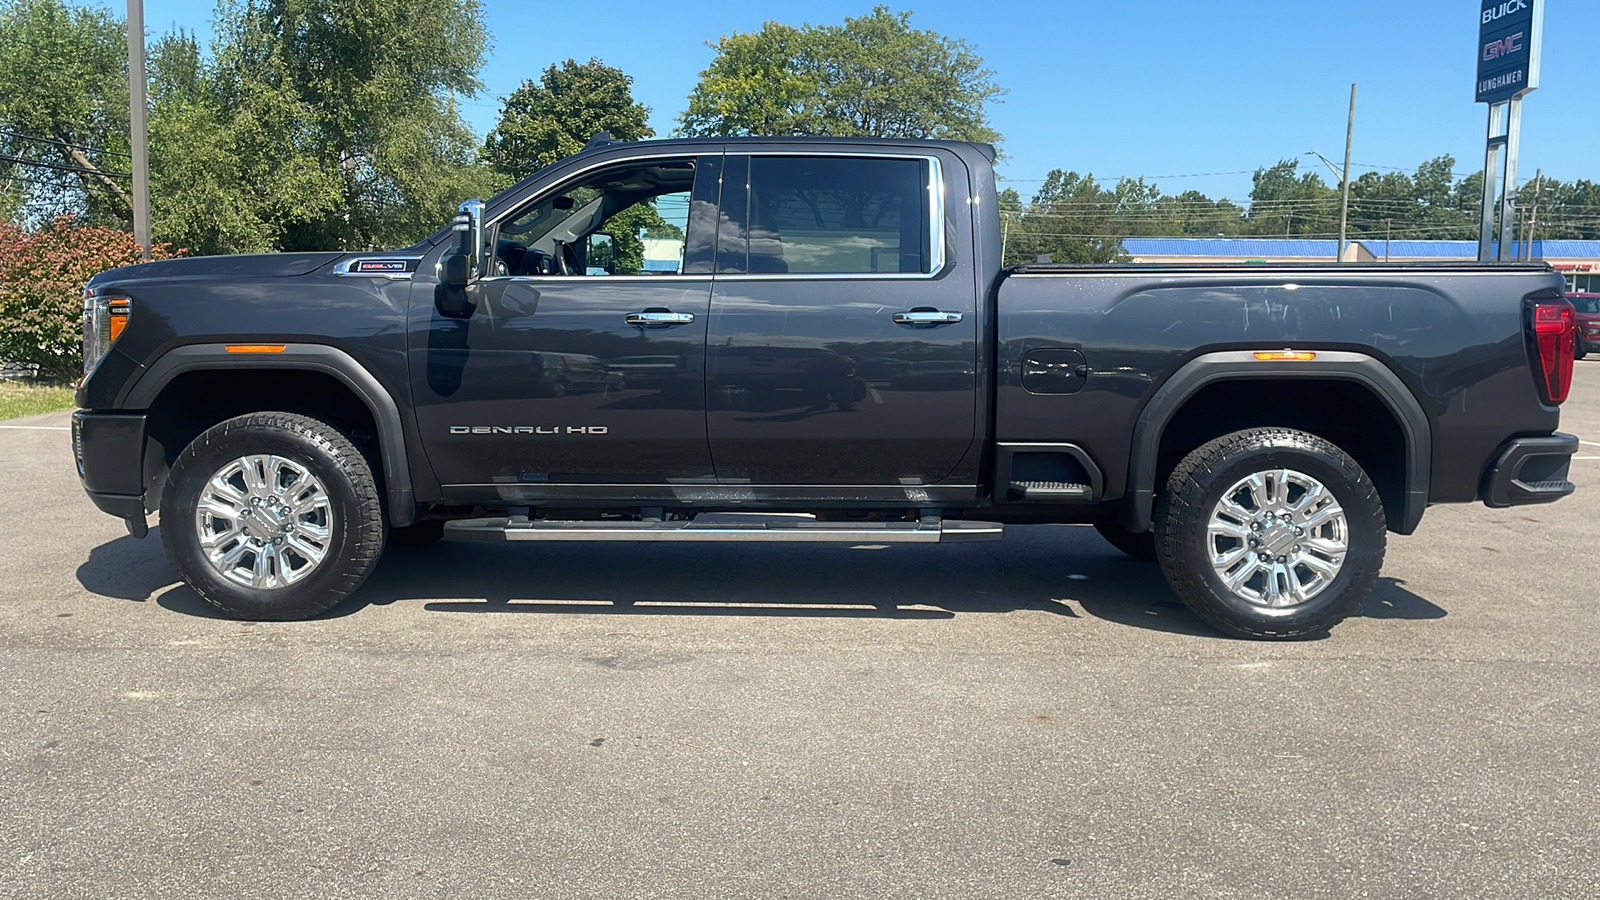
<point x="1579" y="351"/>
<point x="1139" y="546"/>
<point x="1197" y="485"/>
<point x="356" y="533"/>
<point x="419" y="534"/>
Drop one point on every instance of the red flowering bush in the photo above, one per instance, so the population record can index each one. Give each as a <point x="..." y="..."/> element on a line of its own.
<point x="42" y="274"/>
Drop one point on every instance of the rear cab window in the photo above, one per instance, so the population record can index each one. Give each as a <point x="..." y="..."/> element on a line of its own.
<point x="812" y="215"/>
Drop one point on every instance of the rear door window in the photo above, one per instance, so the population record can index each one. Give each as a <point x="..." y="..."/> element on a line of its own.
<point x="805" y="215"/>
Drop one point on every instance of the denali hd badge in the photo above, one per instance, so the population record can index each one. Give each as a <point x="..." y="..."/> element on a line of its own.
<point x="528" y="429"/>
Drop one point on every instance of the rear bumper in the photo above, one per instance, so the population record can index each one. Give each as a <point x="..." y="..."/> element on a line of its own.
<point x="1530" y="470"/>
<point x="108" y="449"/>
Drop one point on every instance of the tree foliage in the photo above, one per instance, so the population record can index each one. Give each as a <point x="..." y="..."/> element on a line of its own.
<point x="874" y="75"/>
<point x="64" y="104"/>
<point x="1075" y="218"/>
<point x="42" y="274"/>
<point x="308" y="124"/>
<point x="545" y="120"/>
<point x="353" y="104"/>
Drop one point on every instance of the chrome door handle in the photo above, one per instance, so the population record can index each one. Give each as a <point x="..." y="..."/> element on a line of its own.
<point x="659" y="318"/>
<point x="926" y="318"/>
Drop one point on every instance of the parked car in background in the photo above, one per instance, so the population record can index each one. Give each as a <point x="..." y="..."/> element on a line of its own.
<point x="1588" y="309"/>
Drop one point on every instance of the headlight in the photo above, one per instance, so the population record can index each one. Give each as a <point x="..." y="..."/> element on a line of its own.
<point x="104" y="319"/>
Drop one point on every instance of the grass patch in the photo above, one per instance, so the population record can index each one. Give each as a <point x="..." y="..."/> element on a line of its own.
<point x="21" y="398"/>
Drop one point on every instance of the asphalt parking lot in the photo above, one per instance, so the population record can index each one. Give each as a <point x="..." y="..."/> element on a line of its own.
<point x="1031" y="718"/>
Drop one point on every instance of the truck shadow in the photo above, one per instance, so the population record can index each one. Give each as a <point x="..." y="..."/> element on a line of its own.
<point x="1065" y="571"/>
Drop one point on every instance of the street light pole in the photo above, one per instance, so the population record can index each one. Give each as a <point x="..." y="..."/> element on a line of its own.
<point x="138" y="137"/>
<point x="1349" y="139"/>
<point x="1338" y="173"/>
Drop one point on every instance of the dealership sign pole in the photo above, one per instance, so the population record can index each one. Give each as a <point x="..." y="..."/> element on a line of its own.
<point x="1510" y="33"/>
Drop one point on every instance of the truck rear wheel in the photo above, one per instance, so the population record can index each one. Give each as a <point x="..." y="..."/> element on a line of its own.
<point x="1270" y="533"/>
<point x="272" y="516"/>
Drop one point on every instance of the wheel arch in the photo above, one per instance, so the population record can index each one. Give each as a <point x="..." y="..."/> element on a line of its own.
<point x="1243" y="367"/>
<point x="325" y="360"/>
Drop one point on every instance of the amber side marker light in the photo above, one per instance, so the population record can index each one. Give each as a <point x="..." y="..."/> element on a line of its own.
<point x="118" y="308"/>
<point x="255" y="348"/>
<point x="1286" y="355"/>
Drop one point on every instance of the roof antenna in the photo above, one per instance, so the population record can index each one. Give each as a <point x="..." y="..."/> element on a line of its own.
<point x="600" y="139"/>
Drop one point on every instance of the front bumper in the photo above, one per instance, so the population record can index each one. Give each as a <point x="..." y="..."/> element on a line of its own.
<point x="1530" y="470"/>
<point x="108" y="449"/>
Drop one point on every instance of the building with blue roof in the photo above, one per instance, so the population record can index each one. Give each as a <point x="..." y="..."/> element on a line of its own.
<point x="1578" y="260"/>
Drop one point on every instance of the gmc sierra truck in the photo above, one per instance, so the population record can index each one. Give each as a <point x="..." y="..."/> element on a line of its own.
<point x="782" y="339"/>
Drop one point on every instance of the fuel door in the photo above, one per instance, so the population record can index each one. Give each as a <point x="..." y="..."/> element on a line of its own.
<point x="1054" y="371"/>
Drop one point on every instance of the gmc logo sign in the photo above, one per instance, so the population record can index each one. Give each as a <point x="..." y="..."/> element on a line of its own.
<point x="1506" y="47"/>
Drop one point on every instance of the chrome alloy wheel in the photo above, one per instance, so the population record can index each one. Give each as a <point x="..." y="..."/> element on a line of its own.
<point x="264" y="521"/>
<point x="1278" y="538"/>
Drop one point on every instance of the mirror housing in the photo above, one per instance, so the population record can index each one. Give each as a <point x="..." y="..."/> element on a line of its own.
<point x="462" y="264"/>
<point x="600" y="252"/>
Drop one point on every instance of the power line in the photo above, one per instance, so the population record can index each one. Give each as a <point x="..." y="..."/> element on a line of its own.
<point x="61" y="167"/>
<point x="57" y="143"/>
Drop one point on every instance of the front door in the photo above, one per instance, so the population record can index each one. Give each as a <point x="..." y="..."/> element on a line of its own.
<point x="584" y="361"/>
<point x="841" y="349"/>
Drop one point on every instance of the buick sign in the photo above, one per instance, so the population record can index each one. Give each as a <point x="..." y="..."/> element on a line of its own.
<point x="1508" y="48"/>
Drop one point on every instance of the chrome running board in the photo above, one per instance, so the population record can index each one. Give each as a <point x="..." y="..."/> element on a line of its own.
<point x="727" y="527"/>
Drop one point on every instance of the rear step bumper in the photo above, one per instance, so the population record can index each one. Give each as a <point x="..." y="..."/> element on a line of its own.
<point x="1530" y="470"/>
<point x="727" y="527"/>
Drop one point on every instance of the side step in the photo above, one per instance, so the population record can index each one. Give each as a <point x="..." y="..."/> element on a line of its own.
<point x="1052" y="490"/>
<point x="727" y="527"/>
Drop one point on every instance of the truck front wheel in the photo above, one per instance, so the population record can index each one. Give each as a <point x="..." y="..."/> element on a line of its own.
<point x="272" y="516"/>
<point x="1270" y="533"/>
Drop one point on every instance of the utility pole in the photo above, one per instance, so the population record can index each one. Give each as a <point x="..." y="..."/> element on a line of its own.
<point x="138" y="137"/>
<point x="1533" y="216"/>
<point x="1344" y="208"/>
<point x="1388" y="233"/>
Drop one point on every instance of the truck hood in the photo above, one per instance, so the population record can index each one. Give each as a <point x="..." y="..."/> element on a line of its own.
<point x="253" y="265"/>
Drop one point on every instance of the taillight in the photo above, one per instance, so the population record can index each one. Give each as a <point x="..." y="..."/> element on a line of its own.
<point x="1554" y="332"/>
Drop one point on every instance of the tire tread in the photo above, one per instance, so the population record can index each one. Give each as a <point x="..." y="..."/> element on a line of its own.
<point x="358" y="559"/>
<point x="1179" y="504"/>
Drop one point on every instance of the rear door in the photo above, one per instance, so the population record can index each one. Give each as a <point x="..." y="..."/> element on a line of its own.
<point x="841" y="350"/>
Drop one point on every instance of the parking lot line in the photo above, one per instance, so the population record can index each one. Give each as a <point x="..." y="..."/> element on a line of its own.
<point x="36" y="427"/>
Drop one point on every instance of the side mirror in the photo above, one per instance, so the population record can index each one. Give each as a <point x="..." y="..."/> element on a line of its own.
<point x="600" y="252"/>
<point x="462" y="264"/>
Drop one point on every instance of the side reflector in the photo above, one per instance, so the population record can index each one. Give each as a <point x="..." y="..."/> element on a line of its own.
<point x="1286" y="355"/>
<point x="117" y="309"/>
<point x="255" y="348"/>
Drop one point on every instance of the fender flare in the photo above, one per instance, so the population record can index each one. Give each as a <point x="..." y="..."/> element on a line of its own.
<point x="1235" y="365"/>
<point x="305" y="357"/>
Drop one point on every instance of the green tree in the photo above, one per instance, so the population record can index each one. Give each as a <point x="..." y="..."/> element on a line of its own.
<point x="1284" y="201"/>
<point x="1071" y="218"/>
<point x="64" y="108"/>
<point x="545" y="120"/>
<point x="344" y="114"/>
<point x="874" y="75"/>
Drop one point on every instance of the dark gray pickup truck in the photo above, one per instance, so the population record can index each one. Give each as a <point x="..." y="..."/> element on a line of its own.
<point x="807" y="340"/>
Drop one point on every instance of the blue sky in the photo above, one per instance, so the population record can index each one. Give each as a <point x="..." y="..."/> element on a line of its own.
<point x="1120" y="87"/>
